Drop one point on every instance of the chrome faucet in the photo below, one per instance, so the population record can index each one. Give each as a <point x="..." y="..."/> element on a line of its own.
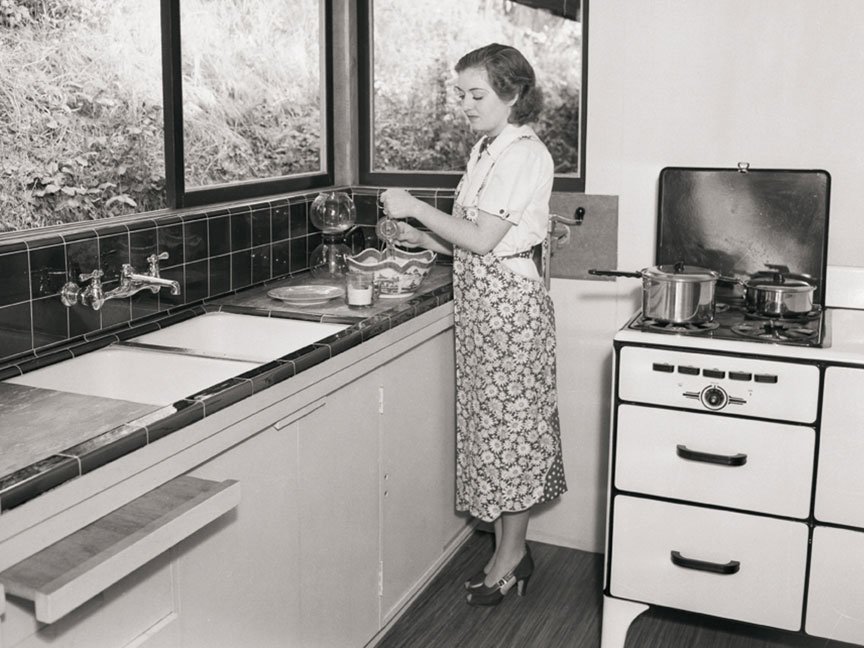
<point x="130" y="283"/>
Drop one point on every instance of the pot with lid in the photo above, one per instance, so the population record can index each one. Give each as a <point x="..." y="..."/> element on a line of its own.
<point x="674" y="293"/>
<point x="777" y="294"/>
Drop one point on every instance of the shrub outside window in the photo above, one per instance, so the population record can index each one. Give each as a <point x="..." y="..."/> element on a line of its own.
<point x="252" y="90"/>
<point x="119" y="107"/>
<point x="412" y="130"/>
<point x="81" y="125"/>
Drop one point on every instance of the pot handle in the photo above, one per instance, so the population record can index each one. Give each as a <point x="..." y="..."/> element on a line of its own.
<point x="731" y="280"/>
<point x="615" y="273"/>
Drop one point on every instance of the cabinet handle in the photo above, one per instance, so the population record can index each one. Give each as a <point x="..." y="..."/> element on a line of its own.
<point x="726" y="460"/>
<point x="730" y="567"/>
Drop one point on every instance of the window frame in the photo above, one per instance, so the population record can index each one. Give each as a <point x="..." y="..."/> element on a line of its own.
<point x="177" y="195"/>
<point x="441" y="179"/>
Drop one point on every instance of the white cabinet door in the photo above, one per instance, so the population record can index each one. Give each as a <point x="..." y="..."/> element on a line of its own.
<point x="839" y="478"/>
<point x="418" y="446"/>
<point x="733" y="565"/>
<point x="338" y="518"/>
<point x="835" y="601"/>
<point x="238" y="577"/>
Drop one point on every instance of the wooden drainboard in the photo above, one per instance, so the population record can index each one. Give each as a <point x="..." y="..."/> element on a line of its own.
<point x="70" y="572"/>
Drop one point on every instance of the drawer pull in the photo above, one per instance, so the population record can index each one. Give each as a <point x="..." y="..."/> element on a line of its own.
<point x="726" y="460"/>
<point x="730" y="567"/>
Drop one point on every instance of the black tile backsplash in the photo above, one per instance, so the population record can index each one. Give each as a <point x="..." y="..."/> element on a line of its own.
<point x="219" y="233"/>
<point x="241" y="228"/>
<point x="298" y="223"/>
<point x="195" y="238"/>
<point x="261" y="234"/>
<point x="220" y="275"/>
<point x="169" y="238"/>
<point x="210" y="253"/>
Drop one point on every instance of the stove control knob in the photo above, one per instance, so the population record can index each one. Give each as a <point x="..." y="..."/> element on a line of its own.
<point x="714" y="398"/>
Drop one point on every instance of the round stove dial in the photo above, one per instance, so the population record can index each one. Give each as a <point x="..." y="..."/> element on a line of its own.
<point x="714" y="398"/>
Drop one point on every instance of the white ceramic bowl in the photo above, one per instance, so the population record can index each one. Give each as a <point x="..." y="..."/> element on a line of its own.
<point x="396" y="275"/>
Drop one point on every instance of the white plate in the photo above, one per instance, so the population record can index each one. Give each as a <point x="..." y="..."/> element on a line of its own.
<point x="306" y="295"/>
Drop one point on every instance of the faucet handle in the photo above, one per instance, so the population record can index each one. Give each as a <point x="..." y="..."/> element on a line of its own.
<point x="96" y="275"/>
<point x="92" y="293"/>
<point x="154" y="260"/>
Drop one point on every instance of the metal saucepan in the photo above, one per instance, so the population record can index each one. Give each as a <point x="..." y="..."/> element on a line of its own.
<point x="674" y="293"/>
<point x="776" y="294"/>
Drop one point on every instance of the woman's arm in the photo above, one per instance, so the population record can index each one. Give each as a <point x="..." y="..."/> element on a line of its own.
<point x="479" y="236"/>
<point x="413" y="237"/>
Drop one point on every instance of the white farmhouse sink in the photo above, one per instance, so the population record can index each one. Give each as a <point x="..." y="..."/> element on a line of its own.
<point x="130" y="374"/>
<point x="246" y="337"/>
<point x="181" y="359"/>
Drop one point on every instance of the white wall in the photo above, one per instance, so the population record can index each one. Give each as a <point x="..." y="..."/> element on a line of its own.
<point x="776" y="83"/>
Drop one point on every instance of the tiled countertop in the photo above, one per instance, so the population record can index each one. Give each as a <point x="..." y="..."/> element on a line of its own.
<point x="49" y="437"/>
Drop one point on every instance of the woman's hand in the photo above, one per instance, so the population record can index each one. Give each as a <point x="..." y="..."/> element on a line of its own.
<point x="408" y="235"/>
<point x="398" y="203"/>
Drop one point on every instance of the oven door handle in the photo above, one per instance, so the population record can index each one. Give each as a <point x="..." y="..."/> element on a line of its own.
<point x="730" y="567"/>
<point x="725" y="460"/>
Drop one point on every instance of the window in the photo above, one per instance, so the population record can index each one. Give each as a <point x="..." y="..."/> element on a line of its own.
<point x="114" y="107"/>
<point x="412" y="132"/>
<point x="252" y="77"/>
<point x="81" y="125"/>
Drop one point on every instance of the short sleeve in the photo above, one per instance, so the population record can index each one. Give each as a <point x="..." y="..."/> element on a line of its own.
<point x="522" y="169"/>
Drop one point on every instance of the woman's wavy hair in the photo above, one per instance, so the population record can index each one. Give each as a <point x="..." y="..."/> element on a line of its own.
<point x="510" y="75"/>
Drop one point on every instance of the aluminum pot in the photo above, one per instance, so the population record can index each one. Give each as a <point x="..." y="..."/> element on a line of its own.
<point x="674" y="293"/>
<point x="778" y="295"/>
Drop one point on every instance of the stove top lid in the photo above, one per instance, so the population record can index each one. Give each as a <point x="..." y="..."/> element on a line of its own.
<point x="744" y="221"/>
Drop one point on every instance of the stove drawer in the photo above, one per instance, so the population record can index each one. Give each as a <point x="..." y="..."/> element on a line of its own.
<point x="782" y="391"/>
<point x="758" y="563"/>
<point x="739" y="463"/>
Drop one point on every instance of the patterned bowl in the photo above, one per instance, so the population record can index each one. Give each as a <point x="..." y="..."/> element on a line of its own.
<point x="396" y="275"/>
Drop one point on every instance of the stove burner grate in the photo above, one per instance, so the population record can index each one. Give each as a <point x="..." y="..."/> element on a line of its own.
<point x="775" y="331"/>
<point x="786" y="319"/>
<point x="686" y="328"/>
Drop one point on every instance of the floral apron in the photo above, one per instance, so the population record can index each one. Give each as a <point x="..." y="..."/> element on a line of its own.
<point x="508" y="443"/>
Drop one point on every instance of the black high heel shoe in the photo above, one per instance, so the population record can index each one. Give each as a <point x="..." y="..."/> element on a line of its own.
<point x="476" y="581"/>
<point x="494" y="594"/>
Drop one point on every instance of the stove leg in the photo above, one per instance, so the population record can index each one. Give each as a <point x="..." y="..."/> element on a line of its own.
<point x="617" y="617"/>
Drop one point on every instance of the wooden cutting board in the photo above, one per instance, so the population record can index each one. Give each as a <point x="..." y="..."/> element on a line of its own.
<point x="37" y="423"/>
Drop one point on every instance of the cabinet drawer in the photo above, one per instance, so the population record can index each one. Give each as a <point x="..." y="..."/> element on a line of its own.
<point x="766" y="588"/>
<point x="750" y="465"/>
<point x="835" y="599"/>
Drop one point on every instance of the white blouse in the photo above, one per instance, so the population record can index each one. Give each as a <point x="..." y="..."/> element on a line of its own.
<point x="512" y="179"/>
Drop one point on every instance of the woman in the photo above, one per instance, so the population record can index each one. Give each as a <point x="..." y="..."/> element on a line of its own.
<point x="507" y="437"/>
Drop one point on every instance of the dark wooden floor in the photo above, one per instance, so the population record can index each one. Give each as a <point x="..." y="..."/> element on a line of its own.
<point x="561" y="609"/>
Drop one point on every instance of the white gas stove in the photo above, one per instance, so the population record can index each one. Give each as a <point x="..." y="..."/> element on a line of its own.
<point x="735" y="484"/>
<point x="735" y="481"/>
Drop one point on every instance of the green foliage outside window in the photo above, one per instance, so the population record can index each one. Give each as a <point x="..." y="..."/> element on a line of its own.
<point x="80" y="110"/>
<point x="418" y="125"/>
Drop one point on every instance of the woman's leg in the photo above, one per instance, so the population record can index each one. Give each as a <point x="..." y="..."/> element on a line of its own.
<point x="509" y="544"/>
<point x="496" y="526"/>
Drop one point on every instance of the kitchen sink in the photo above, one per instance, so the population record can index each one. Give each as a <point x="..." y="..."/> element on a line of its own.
<point x="162" y="367"/>
<point x="242" y="337"/>
<point x="141" y="376"/>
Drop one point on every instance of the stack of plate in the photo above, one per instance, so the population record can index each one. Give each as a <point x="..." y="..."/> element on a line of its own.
<point x="306" y="295"/>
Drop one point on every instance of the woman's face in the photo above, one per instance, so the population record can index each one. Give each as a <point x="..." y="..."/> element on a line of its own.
<point x="486" y="111"/>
